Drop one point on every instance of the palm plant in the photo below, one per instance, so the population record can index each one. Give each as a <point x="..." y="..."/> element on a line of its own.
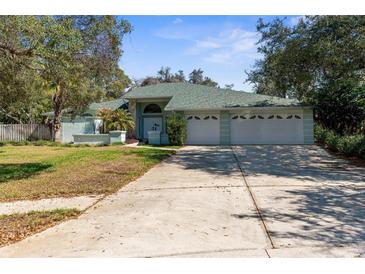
<point x="116" y="119"/>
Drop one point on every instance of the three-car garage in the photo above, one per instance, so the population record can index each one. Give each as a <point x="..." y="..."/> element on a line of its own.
<point x="246" y="128"/>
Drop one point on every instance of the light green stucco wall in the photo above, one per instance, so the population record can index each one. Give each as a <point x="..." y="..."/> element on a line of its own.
<point x="225" y="128"/>
<point x="80" y="126"/>
<point x="308" y="126"/>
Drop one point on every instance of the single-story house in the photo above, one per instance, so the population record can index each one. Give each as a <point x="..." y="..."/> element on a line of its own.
<point x="87" y="122"/>
<point x="221" y="116"/>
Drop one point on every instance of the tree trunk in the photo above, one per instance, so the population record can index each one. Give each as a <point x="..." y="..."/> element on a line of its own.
<point x="57" y="108"/>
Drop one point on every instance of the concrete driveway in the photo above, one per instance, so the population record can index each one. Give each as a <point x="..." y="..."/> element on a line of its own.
<point x="246" y="201"/>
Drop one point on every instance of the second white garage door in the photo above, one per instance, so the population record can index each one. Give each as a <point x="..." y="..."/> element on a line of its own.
<point x="203" y="129"/>
<point x="267" y="129"/>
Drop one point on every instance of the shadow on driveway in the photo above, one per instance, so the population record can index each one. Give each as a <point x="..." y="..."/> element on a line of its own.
<point x="305" y="162"/>
<point x="322" y="216"/>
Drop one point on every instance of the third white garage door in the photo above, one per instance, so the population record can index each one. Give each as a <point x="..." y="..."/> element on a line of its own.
<point x="267" y="129"/>
<point x="203" y="129"/>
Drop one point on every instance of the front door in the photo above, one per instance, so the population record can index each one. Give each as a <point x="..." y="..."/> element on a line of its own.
<point x="151" y="123"/>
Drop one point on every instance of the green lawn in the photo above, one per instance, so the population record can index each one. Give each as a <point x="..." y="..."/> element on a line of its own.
<point x="33" y="172"/>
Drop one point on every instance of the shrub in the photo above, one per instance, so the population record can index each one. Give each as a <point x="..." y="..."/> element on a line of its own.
<point x="116" y="119"/>
<point x="332" y="140"/>
<point x="320" y="134"/>
<point x="351" y="145"/>
<point x="176" y="129"/>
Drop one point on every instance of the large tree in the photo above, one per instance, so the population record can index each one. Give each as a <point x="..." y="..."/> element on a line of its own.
<point x="164" y="75"/>
<point x="318" y="61"/>
<point x="74" y="57"/>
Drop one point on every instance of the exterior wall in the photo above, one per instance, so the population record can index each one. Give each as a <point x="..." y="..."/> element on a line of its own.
<point x="132" y="108"/>
<point x="92" y="139"/>
<point x="308" y="126"/>
<point x="77" y="126"/>
<point x="225" y="128"/>
<point x="140" y="105"/>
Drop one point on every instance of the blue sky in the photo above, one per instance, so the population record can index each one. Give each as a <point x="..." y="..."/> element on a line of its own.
<point x="222" y="46"/>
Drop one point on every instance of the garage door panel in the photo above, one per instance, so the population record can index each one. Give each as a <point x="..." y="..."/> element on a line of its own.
<point x="203" y="129"/>
<point x="267" y="131"/>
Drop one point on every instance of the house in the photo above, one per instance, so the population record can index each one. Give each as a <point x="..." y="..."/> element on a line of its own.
<point x="85" y="123"/>
<point x="220" y="116"/>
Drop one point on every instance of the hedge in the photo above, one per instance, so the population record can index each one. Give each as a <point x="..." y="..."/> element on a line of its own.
<point x="350" y="145"/>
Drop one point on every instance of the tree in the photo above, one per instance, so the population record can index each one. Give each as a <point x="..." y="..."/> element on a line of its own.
<point x="74" y="57"/>
<point x="150" y="81"/>
<point x="197" y="77"/>
<point x="23" y="94"/>
<point x="320" y="55"/>
<point x="164" y="75"/>
<point x="228" y="86"/>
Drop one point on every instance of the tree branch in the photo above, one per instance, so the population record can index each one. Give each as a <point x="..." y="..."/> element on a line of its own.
<point x="13" y="51"/>
<point x="11" y="117"/>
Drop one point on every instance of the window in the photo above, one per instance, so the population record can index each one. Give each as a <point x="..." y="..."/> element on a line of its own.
<point x="152" y="108"/>
<point x="253" y="117"/>
<point x="189" y="118"/>
<point x="206" y="117"/>
<point x="260" y="117"/>
<point x="242" y="117"/>
<point x="197" y="117"/>
<point x="298" y="117"/>
<point x="289" y="117"/>
<point x="279" y="117"/>
<point x="270" y="117"/>
<point x="235" y="117"/>
<point x="214" y="118"/>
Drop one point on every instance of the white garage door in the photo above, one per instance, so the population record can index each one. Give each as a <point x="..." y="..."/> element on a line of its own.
<point x="203" y="129"/>
<point x="267" y="129"/>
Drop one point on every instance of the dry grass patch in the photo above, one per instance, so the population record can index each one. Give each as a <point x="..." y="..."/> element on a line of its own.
<point x="16" y="227"/>
<point x="72" y="172"/>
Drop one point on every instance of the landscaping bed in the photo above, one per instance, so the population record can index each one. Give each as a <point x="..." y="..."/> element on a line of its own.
<point x="28" y="172"/>
<point x="349" y="146"/>
<point x="16" y="227"/>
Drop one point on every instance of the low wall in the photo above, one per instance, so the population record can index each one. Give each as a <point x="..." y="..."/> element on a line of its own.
<point x="92" y="139"/>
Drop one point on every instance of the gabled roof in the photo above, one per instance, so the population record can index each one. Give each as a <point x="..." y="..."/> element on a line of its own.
<point x="114" y="104"/>
<point x="93" y="107"/>
<point x="186" y="96"/>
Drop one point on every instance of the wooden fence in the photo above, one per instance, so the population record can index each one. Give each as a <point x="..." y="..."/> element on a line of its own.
<point x="23" y="132"/>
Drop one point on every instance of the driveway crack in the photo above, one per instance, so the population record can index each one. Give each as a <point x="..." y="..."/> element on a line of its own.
<point x="253" y="199"/>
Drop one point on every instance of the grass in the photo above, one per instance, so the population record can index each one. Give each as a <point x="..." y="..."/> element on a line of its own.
<point x="29" y="172"/>
<point x="16" y="227"/>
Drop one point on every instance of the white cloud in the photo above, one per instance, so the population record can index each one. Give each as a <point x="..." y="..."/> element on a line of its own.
<point x="227" y="47"/>
<point x="177" y="21"/>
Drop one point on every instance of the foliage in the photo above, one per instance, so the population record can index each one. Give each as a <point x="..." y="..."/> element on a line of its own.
<point x="197" y="77"/>
<point x="340" y="105"/>
<point x="119" y="119"/>
<point x="176" y="129"/>
<point x="350" y="145"/>
<point x="70" y="60"/>
<point x="320" y="60"/>
<point x="164" y="75"/>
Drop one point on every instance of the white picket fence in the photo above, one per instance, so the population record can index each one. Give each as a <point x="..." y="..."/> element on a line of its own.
<point x="23" y="132"/>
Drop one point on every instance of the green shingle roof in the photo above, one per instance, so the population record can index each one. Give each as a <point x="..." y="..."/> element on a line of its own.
<point x="93" y="107"/>
<point x="186" y="96"/>
<point x="114" y="104"/>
